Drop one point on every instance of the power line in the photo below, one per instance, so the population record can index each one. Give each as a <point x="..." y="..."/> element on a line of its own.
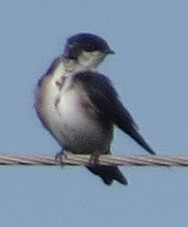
<point x="87" y="160"/>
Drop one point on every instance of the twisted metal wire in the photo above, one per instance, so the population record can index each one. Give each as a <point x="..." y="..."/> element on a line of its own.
<point x="87" y="160"/>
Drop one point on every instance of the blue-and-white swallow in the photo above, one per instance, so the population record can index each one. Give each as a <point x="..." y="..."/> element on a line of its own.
<point x="80" y="106"/>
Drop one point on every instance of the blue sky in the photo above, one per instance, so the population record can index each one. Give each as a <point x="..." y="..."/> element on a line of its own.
<point x="149" y="71"/>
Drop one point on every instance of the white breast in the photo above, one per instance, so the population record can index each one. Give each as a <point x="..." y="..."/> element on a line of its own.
<point x="64" y="115"/>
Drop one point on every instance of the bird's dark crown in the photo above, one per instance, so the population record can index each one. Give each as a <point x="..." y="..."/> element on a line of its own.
<point x="85" y="42"/>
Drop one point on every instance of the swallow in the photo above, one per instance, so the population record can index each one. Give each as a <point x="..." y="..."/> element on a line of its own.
<point x="80" y="107"/>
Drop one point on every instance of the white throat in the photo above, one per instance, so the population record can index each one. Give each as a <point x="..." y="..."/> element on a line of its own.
<point x="90" y="60"/>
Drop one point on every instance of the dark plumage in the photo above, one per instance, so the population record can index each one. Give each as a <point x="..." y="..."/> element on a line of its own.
<point x="105" y="98"/>
<point x="108" y="174"/>
<point x="85" y="42"/>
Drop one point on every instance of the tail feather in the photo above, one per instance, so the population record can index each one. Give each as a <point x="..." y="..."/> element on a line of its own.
<point x="108" y="174"/>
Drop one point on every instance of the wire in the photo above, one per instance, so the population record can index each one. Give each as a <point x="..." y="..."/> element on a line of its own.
<point x="87" y="160"/>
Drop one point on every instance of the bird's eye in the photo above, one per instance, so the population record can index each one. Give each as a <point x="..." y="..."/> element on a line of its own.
<point x="73" y="51"/>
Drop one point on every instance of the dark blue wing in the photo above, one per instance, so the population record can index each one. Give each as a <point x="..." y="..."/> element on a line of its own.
<point x="105" y="98"/>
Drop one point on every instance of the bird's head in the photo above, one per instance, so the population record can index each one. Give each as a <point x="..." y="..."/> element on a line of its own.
<point x="87" y="49"/>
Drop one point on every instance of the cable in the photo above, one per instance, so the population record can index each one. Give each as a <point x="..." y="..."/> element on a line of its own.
<point x="87" y="160"/>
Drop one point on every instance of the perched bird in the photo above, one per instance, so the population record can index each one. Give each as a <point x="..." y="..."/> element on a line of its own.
<point x="80" y="106"/>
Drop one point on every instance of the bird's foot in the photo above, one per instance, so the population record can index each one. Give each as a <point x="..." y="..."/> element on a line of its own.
<point x="94" y="159"/>
<point x="60" y="156"/>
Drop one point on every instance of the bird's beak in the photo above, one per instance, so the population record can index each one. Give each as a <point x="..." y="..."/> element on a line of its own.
<point x="110" y="51"/>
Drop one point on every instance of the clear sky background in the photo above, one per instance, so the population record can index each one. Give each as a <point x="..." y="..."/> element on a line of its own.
<point x="150" y="71"/>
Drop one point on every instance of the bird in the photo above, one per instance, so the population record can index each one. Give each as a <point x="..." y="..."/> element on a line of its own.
<point x="80" y="106"/>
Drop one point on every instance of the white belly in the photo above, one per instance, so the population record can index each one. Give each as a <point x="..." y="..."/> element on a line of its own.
<point x="63" y="113"/>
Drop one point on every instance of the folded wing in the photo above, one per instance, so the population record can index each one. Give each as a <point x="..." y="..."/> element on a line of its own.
<point x="104" y="96"/>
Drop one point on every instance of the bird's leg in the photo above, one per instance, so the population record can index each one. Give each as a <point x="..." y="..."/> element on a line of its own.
<point x="60" y="156"/>
<point x="94" y="159"/>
